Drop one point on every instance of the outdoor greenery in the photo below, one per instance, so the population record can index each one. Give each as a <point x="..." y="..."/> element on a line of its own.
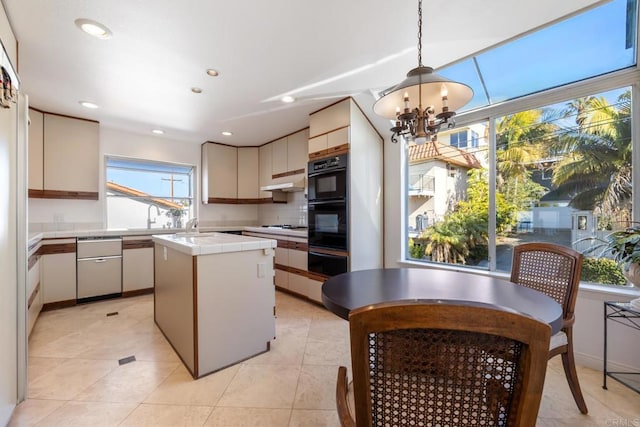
<point x="602" y="270"/>
<point x="586" y="147"/>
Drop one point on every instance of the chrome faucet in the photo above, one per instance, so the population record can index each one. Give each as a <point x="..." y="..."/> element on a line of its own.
<point x="149" y="222"/>
<point x="192" y="225"/>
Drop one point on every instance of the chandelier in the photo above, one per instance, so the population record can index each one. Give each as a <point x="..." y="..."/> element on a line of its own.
<point x="422" y="102"/>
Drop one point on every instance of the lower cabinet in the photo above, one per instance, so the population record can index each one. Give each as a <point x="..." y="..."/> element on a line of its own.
<point x="314" y="289"/>
<point x="34" y="291"/>
<point x="59" y="277"/>
<point x="137" y="269"/>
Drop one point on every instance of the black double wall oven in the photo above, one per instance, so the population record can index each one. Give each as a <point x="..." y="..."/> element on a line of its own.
<point x="328" y="211"/>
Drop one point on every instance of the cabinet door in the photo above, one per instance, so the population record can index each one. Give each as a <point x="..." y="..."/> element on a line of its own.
<point x="265" y="169"/>
<point x="137" y="269"/>
<point x="318" y="143"/>
<point x="279" y="157"/>
<point x="298" y="259"/>
<point x="221" y="171"/>
<point x="314" y="290"/>
<point x="59" y="277"/>
<point x="281" y="279"/>
<point x="298" y="284"/>
<point x="338" y="137"/>
<point x="36" y="150"/>
<point x="297" y="151"/>
<point x="248" y="172"/>
<point x="70" y="154"/>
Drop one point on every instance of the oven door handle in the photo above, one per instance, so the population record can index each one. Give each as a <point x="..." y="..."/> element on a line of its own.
<point x="339" y="200"/>
<point x="326" y="172"/>
<point x="323" y="255"/>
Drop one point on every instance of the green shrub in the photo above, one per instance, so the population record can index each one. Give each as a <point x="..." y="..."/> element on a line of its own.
<point x="416" y="249"/>
<point x="602" y="270"/>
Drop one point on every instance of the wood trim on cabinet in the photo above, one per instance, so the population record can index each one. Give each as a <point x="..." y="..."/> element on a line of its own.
<point x="285" y="136"/>
<point x="330" y="105"/>
<point x="33" y="260"/>
<point x="293" y="270"/>
<point x="33" y="295"/>
<point x="230" y="201"/>
<point x="59" y="194"/>
<point x="57" y="248"/>
<point x="58" y="304"/>
<point x="333" y="151"/>
<point x="317" y="277"/>
<point x="194" y="263"/>
<point x="137" y="244"/>
<point x="289" y="173"/>
<point x="137" y="292"/>
<point x="62" y="115"/>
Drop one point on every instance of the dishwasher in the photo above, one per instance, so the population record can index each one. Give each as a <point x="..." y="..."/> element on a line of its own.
<point x="99" y="267"/>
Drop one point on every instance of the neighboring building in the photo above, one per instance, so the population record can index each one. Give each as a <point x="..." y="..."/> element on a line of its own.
<point x="127" y="207"/>
<point x="437" y="181"/>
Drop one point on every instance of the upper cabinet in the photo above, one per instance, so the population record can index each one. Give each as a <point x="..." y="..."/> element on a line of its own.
<point x="329" y="130"/>
<point x="248" y="174"/>
<point x="63" y="157"/>
<point x="289" y="154"/>
<point x="219" y="173"/>
<point x="266" y="177"/>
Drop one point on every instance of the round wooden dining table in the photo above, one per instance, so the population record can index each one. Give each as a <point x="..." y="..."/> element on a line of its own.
<point x="348" y="291"/>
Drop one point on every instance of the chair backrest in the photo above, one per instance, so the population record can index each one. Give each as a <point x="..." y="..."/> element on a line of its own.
<point x="434" y="363"/>
<point x="551" y="269"/>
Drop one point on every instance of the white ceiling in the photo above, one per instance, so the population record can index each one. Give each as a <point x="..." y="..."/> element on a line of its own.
<point x="317" y="51"/>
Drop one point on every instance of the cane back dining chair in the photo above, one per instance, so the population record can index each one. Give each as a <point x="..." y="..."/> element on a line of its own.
<point x="555" y="271"/>
<point x="426" y="363"/>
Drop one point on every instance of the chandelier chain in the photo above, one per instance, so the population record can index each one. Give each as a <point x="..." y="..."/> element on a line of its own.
<point x="420" y="33"/>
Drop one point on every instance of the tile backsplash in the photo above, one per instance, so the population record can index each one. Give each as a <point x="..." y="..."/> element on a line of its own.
<point x="294" y="212"/>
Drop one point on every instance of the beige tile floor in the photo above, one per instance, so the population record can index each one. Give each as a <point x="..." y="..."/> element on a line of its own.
<point x="75" y="378"/>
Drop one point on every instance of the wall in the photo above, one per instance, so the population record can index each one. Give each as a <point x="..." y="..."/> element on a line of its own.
<point x="9" y="233"/>
<point x="294" y="212"/>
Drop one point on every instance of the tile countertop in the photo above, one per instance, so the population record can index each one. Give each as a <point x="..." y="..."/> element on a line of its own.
<point x="35" y="237"/>
<point x="212" y="243"/>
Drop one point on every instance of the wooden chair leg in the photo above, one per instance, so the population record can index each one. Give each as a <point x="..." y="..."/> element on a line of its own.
<point x="569" y="365"/>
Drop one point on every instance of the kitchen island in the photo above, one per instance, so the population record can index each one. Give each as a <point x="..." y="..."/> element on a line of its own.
<point x="214" y="297"/>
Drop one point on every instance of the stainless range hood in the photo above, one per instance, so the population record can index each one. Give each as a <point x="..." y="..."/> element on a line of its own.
<point x="286" y="187"/>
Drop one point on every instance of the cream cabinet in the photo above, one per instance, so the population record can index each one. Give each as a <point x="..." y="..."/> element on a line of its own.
<point x="59" y="275"/>
<point x="314" y="288"/>
<point x="36" y="150"/>
<point x="63" y="157"/>
<point x="266" y="176"/>
<point x="248" y="173"/>
<point x="329" y="143"/>
<point x="289" y="154"/>
<point x="279" y="157"/>
<point x="219" y="173"/>
<point x="137" y="266"/>
<point x="297" y="151"/>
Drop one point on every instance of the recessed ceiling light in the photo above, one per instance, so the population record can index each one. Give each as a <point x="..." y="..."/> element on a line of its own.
<point x="157" y="131"/>
<point x="212" y="72"/>
<point x="87" y="104"/>
<point x="94" y="28"/>
<point x="287" y="99"/>
<point x="227" y="133"/>
<point x="196" y="90"/>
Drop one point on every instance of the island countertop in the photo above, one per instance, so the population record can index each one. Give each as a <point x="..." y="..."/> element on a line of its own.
<point x="212" y="243"/>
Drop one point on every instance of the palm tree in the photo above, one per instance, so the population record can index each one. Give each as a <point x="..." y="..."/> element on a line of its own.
<point x="596" y="167"/>
<point x="519" y="141"/>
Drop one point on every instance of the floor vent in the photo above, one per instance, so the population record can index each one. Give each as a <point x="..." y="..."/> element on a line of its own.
<point x="126" y="360"/>
<point x="113" y="313"/>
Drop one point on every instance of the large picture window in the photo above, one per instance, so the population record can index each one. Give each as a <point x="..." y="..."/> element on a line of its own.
<point x="561" y="172"/>
<point x="145" y="194"/>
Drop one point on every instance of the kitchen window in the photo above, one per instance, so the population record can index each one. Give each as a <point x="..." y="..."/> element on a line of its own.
<point x="143" y="194"/>
<point x="556" y="166"/>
